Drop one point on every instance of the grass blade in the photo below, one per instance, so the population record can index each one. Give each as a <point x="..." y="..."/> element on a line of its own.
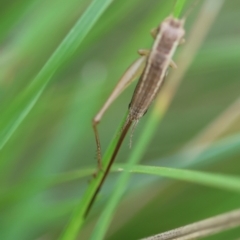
<point x="220" y="181"/>
<point x="22" y="105"/>
<point x="202" y="228"/>
<point x="178" y="8"/>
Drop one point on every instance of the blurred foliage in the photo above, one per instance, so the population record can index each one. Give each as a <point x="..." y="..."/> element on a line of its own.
<point x="56" y="136"/>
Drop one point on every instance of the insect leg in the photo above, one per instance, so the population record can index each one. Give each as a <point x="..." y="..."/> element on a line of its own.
<point x="134" y="71"/>
<point x="143" y="52"/>
<point x="154" y="32"/>
<point x="173" y="64"/>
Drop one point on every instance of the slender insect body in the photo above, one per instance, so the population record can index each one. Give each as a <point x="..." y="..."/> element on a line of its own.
<point x="168" y="37"/>
<point x="152" y="68"/>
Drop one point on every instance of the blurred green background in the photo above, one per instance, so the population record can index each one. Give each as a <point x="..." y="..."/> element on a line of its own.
<point x="56" y="137"/>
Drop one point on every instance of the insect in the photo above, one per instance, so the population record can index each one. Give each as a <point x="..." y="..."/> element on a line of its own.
<point x="152" y="68"/>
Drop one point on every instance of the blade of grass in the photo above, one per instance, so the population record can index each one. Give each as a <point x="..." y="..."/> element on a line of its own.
<point x="220" y="181"/>
<point x="202" y="228"/>
<point x="196" y="37"/>
<point x="178" y="8"/>
<point x="22" y="105"/>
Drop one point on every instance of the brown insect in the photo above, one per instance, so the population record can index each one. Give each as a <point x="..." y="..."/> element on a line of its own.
<point x="152" y="68"/>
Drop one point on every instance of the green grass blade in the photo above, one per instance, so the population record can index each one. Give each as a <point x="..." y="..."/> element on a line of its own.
<point x="22" y="105"/>
<point x="220" y="181"/>
<point x="178" y="8"/>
